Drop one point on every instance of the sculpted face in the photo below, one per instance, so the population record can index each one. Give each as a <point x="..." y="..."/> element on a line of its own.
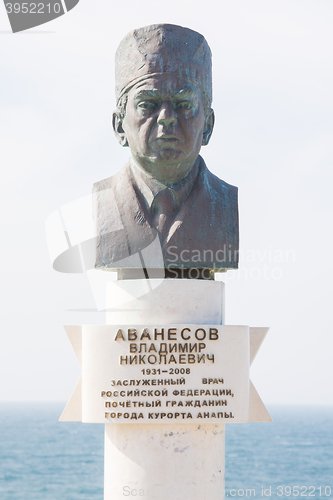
<point x="164" y="126"/>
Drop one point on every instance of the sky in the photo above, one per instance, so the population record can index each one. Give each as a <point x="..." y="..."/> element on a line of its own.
<point x="273" y="138"/>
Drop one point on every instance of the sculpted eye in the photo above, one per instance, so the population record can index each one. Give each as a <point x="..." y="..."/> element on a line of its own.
<point x="147" y="105"/>
<point x="184" y="105"/>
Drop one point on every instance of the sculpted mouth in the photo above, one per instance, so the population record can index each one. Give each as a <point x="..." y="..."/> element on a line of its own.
<point x="167" y="143"/>
<point x="167" y="138"/>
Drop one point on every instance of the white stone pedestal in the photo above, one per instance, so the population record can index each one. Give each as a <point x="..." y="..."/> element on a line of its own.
<point x="162" y="461"/>
<point x="164" y="375"/>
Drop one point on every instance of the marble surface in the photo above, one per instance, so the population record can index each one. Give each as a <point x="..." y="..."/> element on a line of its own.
<point x="165" y="301"/>
<point x="166" y="461"/>
<point x="169" y="461"/>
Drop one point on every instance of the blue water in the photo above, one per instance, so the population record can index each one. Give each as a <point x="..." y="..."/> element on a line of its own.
<point x="295" y="450"/>
<point x="41" y="459"/>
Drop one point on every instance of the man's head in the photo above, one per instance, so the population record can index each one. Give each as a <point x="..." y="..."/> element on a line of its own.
<point x="164" y="93"/>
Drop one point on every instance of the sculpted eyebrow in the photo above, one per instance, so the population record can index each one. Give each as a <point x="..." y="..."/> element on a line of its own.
<point x="187" y="92"/>
<point x="179" y="94"/>
<point x="146" y="93"/>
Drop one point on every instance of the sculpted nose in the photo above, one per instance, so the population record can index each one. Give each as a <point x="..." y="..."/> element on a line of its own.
<point x="167" y="115"/>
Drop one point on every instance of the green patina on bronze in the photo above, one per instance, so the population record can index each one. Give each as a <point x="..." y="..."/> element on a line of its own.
<point x="165" y="210"/>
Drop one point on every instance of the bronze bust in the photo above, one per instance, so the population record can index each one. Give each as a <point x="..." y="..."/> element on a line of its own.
<point x="165" y="210"/>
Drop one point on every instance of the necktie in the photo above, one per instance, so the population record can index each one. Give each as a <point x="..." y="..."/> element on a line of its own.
<point x="163" y="210"/>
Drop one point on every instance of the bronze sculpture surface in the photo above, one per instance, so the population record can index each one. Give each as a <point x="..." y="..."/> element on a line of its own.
<point x="165" y="204"/>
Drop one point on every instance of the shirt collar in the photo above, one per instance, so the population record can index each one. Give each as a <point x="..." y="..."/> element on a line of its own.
<point x="149" y="187"/>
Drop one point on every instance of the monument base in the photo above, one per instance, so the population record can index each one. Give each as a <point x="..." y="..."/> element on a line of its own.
<point x="164" y="375"/>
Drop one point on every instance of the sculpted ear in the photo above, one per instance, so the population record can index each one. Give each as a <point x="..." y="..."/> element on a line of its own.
<point x="117" y="123"/>
<point x="210" y="120"/>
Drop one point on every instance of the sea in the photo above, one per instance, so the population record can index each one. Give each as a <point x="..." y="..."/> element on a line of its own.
<point x="42" y="459"/>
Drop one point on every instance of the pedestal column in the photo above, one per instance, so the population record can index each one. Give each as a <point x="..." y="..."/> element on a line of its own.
<point x="174" y="460"/>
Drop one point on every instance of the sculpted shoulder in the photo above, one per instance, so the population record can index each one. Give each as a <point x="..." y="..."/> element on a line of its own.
<point x="220" y="188"/>
<point x="120" y="178"/>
